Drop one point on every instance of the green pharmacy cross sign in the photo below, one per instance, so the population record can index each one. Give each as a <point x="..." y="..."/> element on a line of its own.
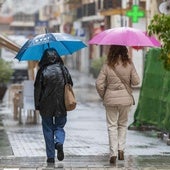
<point x="135" y="13"/>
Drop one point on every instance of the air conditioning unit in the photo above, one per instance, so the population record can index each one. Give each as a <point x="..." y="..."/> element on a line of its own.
<point x="164" y="7"/>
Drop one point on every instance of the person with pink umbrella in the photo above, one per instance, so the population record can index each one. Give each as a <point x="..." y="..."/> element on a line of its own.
<point x="113" y="85"/>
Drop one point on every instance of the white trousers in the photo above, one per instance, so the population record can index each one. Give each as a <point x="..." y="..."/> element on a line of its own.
<point x="117" y="118"/>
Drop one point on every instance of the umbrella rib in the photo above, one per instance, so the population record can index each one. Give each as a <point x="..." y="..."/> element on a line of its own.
<point x="66" y="47"/>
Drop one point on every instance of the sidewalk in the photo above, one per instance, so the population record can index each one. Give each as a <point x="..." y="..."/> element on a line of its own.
<point x="86" y="145"/>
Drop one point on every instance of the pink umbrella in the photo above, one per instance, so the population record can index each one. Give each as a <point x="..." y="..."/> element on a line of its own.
<point x="153" y="40"/>
<point x="124" y="36"/>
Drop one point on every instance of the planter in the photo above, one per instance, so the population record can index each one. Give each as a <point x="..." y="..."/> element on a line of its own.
<point x="94" y="72"/>
<point x="96" y="65"/>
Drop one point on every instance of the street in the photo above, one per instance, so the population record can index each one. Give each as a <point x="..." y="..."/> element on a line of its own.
<point x="86" y="145"/>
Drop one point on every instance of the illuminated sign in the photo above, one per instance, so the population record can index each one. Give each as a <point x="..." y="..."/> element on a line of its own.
<point x="135" y="13"/>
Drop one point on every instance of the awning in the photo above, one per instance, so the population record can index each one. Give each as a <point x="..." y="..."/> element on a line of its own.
<point x="7" y="43"/>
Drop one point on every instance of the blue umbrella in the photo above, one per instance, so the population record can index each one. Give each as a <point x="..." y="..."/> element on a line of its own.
<point x="65" y="44"/>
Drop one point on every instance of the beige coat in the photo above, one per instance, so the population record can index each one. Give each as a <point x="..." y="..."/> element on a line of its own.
<point x="111" y="89"/>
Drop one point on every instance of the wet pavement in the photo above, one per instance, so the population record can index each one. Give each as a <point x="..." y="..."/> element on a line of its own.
<point x="89" y="162"/>
<point x="5" y="148"/>
<point x="86" y="145"/>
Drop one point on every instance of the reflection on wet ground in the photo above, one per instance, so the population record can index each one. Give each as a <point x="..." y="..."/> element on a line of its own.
<point x="130" y="163"/>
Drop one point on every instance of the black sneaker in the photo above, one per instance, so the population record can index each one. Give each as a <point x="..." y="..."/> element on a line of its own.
<point x="51" y="160"/>
<point x="60" y="152"/>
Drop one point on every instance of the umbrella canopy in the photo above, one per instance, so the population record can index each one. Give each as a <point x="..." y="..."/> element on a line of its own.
<point x="65" y="44"/>
<point x="155" y="42"/>
<point x="126" y="36"/>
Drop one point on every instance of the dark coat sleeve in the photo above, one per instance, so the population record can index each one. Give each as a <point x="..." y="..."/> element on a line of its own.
<point x="68" y="76"/>
<point x="38" y="89"/>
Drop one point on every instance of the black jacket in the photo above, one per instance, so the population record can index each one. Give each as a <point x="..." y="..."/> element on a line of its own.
<point x="49" y="88"/>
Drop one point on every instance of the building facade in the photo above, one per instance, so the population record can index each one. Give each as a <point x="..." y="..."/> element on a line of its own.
<point x="84" y="19"/>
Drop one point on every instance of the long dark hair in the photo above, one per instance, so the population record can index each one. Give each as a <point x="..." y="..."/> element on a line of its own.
<point x="50" y="56"/>
<point x="116" y="53"/>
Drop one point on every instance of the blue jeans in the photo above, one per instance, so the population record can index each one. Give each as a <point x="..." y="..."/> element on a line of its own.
<point x="53" y="130"/>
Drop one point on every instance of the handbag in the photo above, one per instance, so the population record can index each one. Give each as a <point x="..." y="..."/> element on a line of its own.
<point x="69" y="97"/>
<point x="126" y="86"/>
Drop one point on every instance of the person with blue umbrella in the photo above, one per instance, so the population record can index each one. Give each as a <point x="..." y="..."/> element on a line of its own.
<point x="49" y="100"/>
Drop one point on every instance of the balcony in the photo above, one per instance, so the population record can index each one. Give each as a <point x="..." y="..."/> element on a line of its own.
<point x="86" y="10"/>
<point x="111" y="4"/>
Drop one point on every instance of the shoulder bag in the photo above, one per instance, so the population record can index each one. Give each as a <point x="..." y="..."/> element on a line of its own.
<point x="69" y="97"/>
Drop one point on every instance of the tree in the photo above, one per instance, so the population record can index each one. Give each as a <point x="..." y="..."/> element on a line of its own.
<point x="160" y="25"/>
<point x="5" y="75"/>
<point x="5" y="72"/>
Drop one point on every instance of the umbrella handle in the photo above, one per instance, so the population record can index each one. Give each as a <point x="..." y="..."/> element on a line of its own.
<point x="46" y="31"/>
